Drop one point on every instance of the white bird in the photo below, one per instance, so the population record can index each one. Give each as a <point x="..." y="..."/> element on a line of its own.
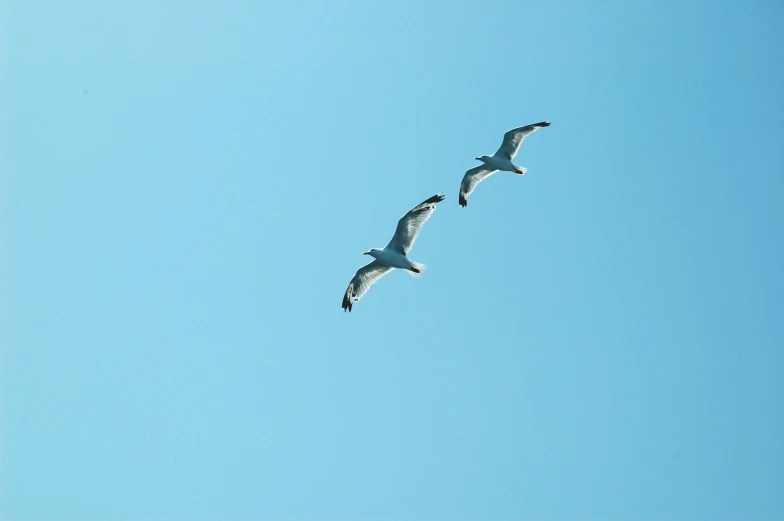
<point x="501" y="160"/>
<point x="393" y="255"/>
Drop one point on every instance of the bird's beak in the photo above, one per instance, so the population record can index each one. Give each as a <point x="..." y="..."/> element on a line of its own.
<point x="366" y="253"/>
<point x="477" y="159"/>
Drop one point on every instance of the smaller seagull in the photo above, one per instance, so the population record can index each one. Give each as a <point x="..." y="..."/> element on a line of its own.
<point x="501" y="160"/>
<point x="393" y="255"/>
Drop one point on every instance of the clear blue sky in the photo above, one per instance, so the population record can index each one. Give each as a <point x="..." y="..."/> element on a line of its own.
<point x="188" y="188"/>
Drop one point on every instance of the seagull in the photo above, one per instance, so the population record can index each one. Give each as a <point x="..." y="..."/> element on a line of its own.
<point x="393" y="255"/>
<point x="501" y="160"/>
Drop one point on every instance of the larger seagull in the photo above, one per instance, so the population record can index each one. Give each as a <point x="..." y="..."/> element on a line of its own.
<point x="393" y="255"/>
<point x="501" y="160"/>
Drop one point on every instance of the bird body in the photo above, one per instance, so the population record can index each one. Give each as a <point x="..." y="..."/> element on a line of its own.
<point x="501" y="163"/>
<point x="392" y="259"/>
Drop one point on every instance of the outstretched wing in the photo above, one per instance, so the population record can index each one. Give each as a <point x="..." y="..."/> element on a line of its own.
<point x="362" y="280"/>
<point x="514" y="138"/>
<point x="409" y="225"/>
<point x="472" y="178"/>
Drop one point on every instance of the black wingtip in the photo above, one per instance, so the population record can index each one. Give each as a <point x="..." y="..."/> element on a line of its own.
<point x="347" y="305"/>
<point x="463" y="202"/>
<point x="542" y="124"/>
<point x="435" y="199"/>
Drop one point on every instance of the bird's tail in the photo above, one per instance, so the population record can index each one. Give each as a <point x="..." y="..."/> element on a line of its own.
<point x="416" y="269"/>
<point x="520" y="170"/>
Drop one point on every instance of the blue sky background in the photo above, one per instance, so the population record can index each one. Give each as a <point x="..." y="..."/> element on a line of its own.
<point x="188" y="188"/>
